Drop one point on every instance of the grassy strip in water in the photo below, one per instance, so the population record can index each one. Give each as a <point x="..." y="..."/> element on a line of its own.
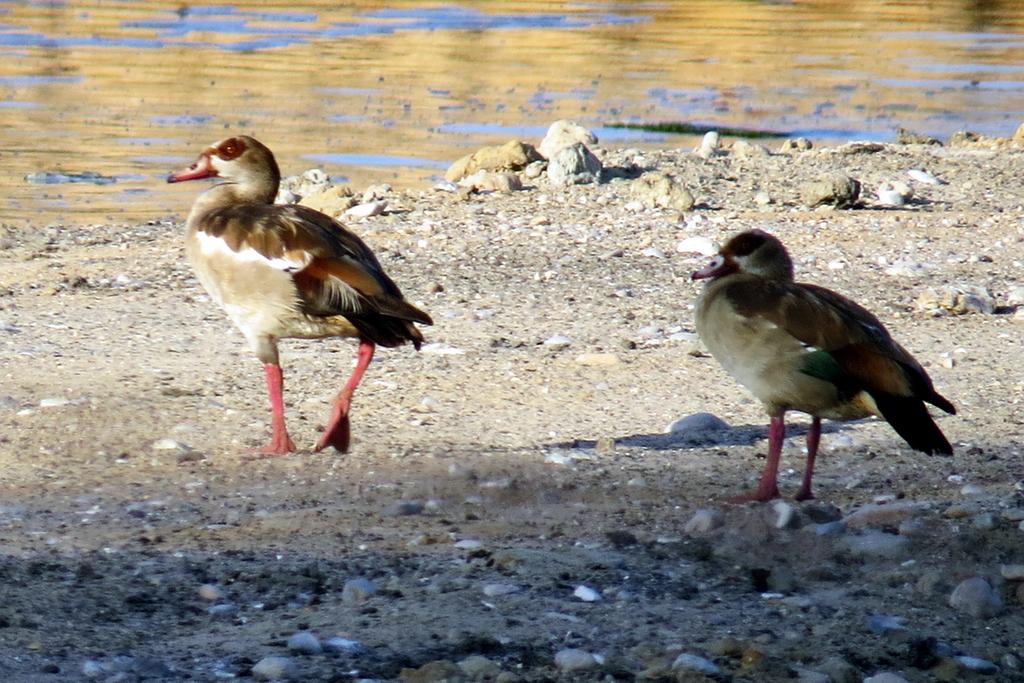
<point x="681" y="128"/>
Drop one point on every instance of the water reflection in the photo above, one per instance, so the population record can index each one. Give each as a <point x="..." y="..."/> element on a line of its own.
<point x="395" y="93"/>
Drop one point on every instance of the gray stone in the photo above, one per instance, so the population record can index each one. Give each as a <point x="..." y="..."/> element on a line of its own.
<point x="699" y="423"/>
<point x="305" y="642"/>
<point x="976" y="598"/>
<point x="571" y="659"/>
<point x="493" y="590"/>
<point x="688" y="662"/>
<point x="574" y="165"/>
<point x="876" y="544"/>
<point x="885" y="677"/>
<point x="358" y="590"/>
<point x="982" y="666"/>
<point x="836" y="190"/>
<point x="273" y="668"/>
<point x="956" y="300"/>
<point x="512" y="156"/>
<point x="840" y="671"/>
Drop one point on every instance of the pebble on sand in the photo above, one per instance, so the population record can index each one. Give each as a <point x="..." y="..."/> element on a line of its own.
<point x="571" y="659"/>
<point x="688" y="662"/>
<point x="273" y="668"/>
<point x="586" y="594"/>
<point x="305" y="642"/>
<point x="701" y="423"/>
<point x="976" y="598"/>
<point x="357" y="590"/>
<point x="703" y="522"/>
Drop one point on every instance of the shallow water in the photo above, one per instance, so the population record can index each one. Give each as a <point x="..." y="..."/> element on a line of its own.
<point x="123" y="92"/>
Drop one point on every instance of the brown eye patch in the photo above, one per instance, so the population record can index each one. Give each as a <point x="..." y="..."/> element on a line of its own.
<point x="230" y="149"/>
<point x="745" y="243"/>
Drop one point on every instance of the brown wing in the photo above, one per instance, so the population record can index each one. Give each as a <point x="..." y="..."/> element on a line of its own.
<point x="863" y="350"/>
<point x="335" y="273"/>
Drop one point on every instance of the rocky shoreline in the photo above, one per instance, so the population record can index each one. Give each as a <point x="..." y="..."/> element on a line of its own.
<point x="535" y="496"/>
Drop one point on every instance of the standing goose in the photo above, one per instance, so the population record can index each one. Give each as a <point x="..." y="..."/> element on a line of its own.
<point x="288" y="271"/>
<point x="803" y="347"/>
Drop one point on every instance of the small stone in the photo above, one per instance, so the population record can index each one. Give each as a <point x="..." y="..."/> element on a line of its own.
<point x="876" y="544"/>
<point x="762" y="199"/>
<point x="697" y="423"/>
<point x="333" y="201"/>
<point x="1015" y="297"/>
<point x="703" y="522"/>
<point x="223" y="610"/>
<point x="403" y="508"/>
<point x="598" y="360"/>
<point x="469" y="544"/>
<point x="708" y="145"/>
<point x="438" y="671"/>
<point x="885" y="677"/>
<point x="574" y="165"/>
<point x="479" y="668"/>
<point x="840" y="671"/>
<point x="836" y="190"/>
<point x="494" y="590"/>
<point x="887" y="515"/>
<point x="894" y="194"/>
<point x="209" y="591"/>
<point x="305" y="642"/>
<point x="273" y="668"/>
<point x="54" y="402"/>
<point x="167" y="444"/>
<point x="785" y="515"/>
<point x="562" y="134"/>
<point x="659" y="190"/>
<point x="976" y="598"/>
<point x="557" y="342"/>
<point x="885" y="623"/>
<point x="367" y="210"/>
<point x="688" y="662"/>
<point x="339" y="644"/>
<point x="795" y="145"/>
<point x="982" y="666"/>
<point x="571" y="659"/>
<point x="358" y="590"/>
<point x="1012" y="572"/>
<point x="512" y="156"/>
<point x="741" y="149"/>
<point x="956" y="300"/>
<point x="924" y="177"/>
<point x="586" y="594"/>
<point x="697" y="245"/>
<point x="491" y="181"/>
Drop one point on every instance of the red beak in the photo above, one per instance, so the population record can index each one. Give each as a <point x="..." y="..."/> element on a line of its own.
<point x="202" y="167"/>
<point x="718" y="267"/>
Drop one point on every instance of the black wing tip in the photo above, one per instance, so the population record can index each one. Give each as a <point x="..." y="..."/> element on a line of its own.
<point x="909" y="417"/>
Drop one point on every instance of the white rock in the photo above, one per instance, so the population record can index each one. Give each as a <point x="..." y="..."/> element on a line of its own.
<point x="704" y="521"/>
<point x="762" y="199"/>
<point x="168" y="444"/>
<point x="982" y="666"/>
<point x="1012" y="572"/>
<point x="339" y="644"/>
<point x="557" y="342"/>
<point x="885" y="677"/>
<point x="469" y="544"/>
<point x="441" y="349"/>
<point x="54" y="402"/>
<point x="697" y="245"/>
<point x="708" y="145"/>
<point x="785" y="514"/>
<point x="571" y="659"/>
<point x="598" y="360"/>
<point x="924" y="177"/>
<point x="688" y="662"/>
<point x="975" y="597"/>
<point x="562" y="134"/>
<point x="586" y="594"/>
<point x="493" y="590"/>
<point x="273" y="669"/>
<point x="1015" y="297"/>
<point x="211" y="592"/>
<point x="367" y="210"/>
<point x="305" y="642"/>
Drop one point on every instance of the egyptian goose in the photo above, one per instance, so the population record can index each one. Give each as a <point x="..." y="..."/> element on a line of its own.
<point x="802" y="347"/>
<point x="288" y="271"/>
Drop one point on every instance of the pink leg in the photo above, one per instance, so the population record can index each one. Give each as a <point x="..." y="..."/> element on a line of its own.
<point x="280" y="442"/>
<point x="813" y="439"/>
<point x="337" y="431"/>
<point x="768" y="487"/>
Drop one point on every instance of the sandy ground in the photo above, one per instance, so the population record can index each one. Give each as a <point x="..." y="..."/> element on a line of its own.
<point x="493" y="474"/>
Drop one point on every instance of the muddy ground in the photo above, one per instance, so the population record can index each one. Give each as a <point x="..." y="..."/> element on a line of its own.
<point x="492" y="474"/>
